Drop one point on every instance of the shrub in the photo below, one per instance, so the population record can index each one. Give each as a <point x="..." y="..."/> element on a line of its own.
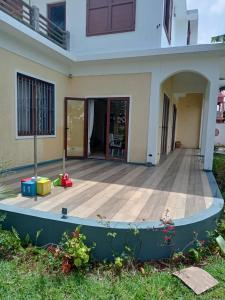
<point x="9" y="240"/>
<point x="75" y="248"/>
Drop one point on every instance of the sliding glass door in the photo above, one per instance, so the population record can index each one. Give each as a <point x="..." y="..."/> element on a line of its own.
<point x="96" y="128"/>
<point x="117" y="129"/>
<point x="75" y="127"/>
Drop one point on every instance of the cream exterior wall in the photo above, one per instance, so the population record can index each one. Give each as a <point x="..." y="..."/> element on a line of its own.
<point x="189" y="114"/>
<point x="19" y="151"/>
<point x="189" y="111"/>
<point x="135" y="86"/>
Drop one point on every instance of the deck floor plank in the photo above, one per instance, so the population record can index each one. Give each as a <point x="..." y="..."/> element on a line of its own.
<point x="123" y="192"/>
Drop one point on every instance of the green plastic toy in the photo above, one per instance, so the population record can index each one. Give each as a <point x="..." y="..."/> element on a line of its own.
<point x="57" y="182"/>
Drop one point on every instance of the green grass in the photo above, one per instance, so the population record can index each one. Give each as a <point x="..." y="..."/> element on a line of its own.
<point x="219" y="171"/>
<point x="28" y="279"/>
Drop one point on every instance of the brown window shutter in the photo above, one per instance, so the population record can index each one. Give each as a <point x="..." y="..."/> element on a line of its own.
<point x="110" y="16"/>
<point x="168" y="15"/>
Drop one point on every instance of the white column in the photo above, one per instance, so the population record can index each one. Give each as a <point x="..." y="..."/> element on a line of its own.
<point x="204" y="120"/>
<point x="211" y="125"/>
<point x="154" y="110"/>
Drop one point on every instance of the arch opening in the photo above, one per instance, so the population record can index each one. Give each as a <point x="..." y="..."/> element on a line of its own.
<point x="183" y="112"/>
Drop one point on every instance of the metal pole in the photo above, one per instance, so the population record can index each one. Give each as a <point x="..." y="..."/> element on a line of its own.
<point x="34" y="100"/>
<point x="64" y="162"/>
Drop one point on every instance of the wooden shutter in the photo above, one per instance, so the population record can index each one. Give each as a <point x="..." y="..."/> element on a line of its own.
<point x="168" y="15"/>
<point x="110" y="16"/>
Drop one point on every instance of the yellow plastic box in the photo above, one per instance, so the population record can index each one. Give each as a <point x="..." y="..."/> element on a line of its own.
<point x="44" y="187"/>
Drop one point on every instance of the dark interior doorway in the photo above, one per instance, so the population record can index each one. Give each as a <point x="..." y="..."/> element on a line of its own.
<point x="96" y="128"/>
<point x="97" y="109"/>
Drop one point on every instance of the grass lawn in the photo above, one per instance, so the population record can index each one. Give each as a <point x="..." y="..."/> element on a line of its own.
<point x="29" y="280"/>
<point x="219" y="171"/>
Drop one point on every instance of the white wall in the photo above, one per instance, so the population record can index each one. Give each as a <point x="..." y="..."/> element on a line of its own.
<point x="180" y="32"/>
<point x="194" y="32"/>
<point x="220" y="139"/>
<point x="146" y="34"/>
<point x="149" y="32"/>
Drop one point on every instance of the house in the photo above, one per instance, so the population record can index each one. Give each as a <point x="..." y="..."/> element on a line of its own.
<point x="118" y="79"/>
<point x="220" y="120"/>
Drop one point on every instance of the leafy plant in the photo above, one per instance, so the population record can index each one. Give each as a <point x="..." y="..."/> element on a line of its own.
<point x="10" y="242"/>
<point x="76" y="251"/>
<point x="194" y="255"/>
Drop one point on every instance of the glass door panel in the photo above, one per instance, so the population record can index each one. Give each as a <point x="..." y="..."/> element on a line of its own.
<point x="75" y="127"/>
<point x="118" y="128"/>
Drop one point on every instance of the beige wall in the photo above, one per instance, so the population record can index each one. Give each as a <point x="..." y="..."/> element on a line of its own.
<point x="137" y="87"/>
<point x="20" y="151"/>
<point x="189" y="111"/>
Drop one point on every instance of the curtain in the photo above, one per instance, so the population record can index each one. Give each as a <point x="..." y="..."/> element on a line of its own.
<point x="91" y="114"/>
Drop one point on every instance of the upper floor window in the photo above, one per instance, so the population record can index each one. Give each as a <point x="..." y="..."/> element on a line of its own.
<point x="168" y="11"/>
<point x="35" y="106"/>
<point x="110" y="16"/>
<point x="57" y="14"/>
<point x="189" y="33"/>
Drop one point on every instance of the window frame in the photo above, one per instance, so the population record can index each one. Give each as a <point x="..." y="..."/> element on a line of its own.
<point x="37" y="77"/>
<point x="189" y="33"/>
<point x="50" y="5"/>
<point x="168" y="30"/>
<point x="110" y="31"/>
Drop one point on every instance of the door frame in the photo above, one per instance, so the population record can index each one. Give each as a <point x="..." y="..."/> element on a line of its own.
<point x="85" y="154"/>
<point x="108" y="99"/>
<point x="174" y="127"/>
<point x="165" y="125"/>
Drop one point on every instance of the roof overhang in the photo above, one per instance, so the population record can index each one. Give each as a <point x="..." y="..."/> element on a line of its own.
<point x="26" y="37"/>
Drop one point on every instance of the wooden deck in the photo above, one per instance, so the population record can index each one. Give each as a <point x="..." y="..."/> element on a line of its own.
<point x="123" y="192"/>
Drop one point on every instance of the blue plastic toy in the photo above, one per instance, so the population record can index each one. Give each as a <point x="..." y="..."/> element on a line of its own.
<point x="28" y="188"/>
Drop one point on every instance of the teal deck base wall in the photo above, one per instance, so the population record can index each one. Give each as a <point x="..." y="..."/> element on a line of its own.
<point x="147" y="245"/>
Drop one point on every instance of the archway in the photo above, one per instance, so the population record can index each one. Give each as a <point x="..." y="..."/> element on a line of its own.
<point x="183" y="106"/>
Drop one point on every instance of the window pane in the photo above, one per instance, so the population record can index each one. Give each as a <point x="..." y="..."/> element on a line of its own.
<point x="117" y="128"/>
<point x="75" y="128"/>
<point x="35" y="97"/>
<point x="57" y="14"/>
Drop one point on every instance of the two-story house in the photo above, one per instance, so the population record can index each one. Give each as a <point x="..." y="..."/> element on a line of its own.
<point x="109" y="79"/>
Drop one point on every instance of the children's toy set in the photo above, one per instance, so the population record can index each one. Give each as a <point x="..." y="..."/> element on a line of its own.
<point x="42" y="186"/>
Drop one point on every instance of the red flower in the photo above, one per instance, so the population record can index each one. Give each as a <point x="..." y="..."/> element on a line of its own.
<point x="76" y="234"/>
<point x="66" y="266"/>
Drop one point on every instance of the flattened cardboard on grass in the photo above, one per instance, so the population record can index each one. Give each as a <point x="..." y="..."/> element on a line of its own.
<point x="196" y="279"/>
